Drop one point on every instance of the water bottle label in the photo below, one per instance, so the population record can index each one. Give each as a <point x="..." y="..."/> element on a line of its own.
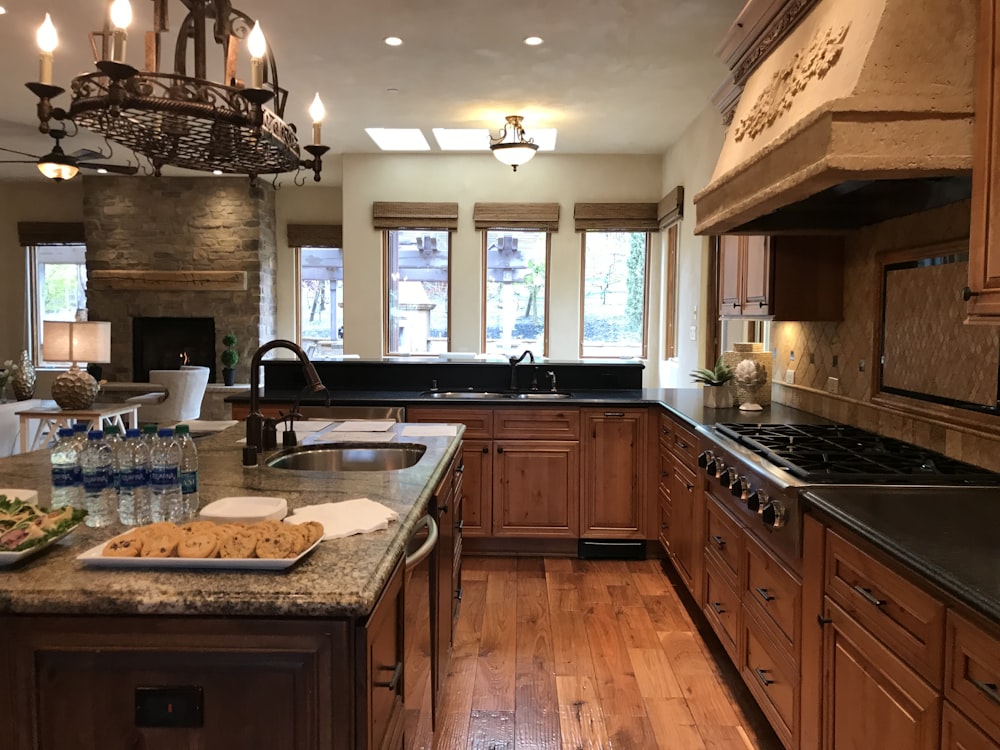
<point x="131" y="478"/>
<point x="95" y="481"/>
<point x="64" y="476"/>
<point x="78" y="474"/>
<point x="164" y="476"/>
<point x="189" y="482"/>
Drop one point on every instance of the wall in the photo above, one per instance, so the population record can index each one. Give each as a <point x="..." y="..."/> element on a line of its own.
<point x="850" y="340"/>
<point x="689" y="163"/>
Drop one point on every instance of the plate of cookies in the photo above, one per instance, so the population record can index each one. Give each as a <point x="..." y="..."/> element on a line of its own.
<point x="263" y="545"/>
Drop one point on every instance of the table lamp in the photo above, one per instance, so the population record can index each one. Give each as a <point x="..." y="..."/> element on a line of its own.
<point x="87" y="341"/>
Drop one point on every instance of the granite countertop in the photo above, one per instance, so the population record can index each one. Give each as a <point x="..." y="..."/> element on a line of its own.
<point x="342" y="577"/>
<point x="948" y="534"/>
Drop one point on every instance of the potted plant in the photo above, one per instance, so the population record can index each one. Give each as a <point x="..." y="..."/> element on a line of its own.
<point x="716" y="393"/>
<point x="229" y="359"/>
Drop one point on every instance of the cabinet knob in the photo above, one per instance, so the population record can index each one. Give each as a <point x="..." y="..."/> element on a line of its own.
<point x="486" y="450"/>
<point x="968" y="294"/>
<point x="499" y="449"/>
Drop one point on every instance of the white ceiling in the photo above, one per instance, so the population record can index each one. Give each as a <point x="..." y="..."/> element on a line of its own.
<point x="613" y="76"/>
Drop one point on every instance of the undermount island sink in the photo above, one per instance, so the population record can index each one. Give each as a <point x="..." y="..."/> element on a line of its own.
<point x="348" y="457"/>
<point x="542" y="395"/>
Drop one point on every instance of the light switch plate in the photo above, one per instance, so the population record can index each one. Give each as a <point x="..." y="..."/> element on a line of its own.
<point x="790" y="376"/>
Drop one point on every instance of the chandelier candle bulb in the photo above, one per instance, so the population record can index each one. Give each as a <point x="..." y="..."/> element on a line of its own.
<point x="258" y="47"/>
<point x="317" y="112"/>
<point x="121" y="17"/>
<point x="48" y="40"/>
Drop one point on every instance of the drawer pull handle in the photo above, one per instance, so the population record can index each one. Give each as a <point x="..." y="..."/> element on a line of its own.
<point x="397" y="672"/>
<point x="614" y="414"/>
<point x="458" y="594"/>
<point x="664" y="430"/>
<point x="760" y="676"/>
<point x="823" y="620"/>
<point x="461" y="525"/>
<point x="764" y="594"/>
<point x="718" y="541"/>
<point x="689" y="486"/>
<point x="682" y="444"/>
<point x="989" y="689"/>
<point x="867" y="595"/>
<point x="717" y="606"/>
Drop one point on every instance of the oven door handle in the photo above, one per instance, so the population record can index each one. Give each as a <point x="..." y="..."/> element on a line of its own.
<point x="425" y="549"/>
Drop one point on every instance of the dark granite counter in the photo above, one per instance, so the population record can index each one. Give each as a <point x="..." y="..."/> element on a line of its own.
<point x="949" y="535"/>
<point x="341" y="577"/>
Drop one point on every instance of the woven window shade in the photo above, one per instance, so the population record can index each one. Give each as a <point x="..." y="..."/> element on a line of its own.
<point x="543" y="216"/>
<point x="50" y="233"/>
<point x="622" y="217"/>
<point x="315" y="235"/>
<point x="409" y="215"/>
<point x="671" y="207"/>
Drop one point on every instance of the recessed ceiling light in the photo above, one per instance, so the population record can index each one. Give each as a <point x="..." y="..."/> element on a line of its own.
<point x="101" y="170"/>
<point x="393" y="41"/>
<point x="533" y="41"/>
<point x="2" y="10"/>
<point x="216" y="171"/>
<point x="462" y="139"/>
<point x="398" y="139"/>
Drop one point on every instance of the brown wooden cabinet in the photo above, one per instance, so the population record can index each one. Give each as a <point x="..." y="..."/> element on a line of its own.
<point x="781" y="278"/>
<point x="984" y="244"/>
<point x="681" y="495"/>
<point x="665" y="471"/>
<point x="446" y="572"/>
<point x="260" y="683"/>
<point x="614" y="474"/>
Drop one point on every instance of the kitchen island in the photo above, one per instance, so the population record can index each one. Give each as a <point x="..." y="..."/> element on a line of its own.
<point x="310" y="657"/>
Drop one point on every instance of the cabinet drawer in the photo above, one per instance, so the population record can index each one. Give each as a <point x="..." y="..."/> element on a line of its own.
<point x="537" y="424"/>
<point x="666" y="469"/>
<point x="958" y="733"/>
<point x="909" y="621"/>
<point x="723" y="538"/>
<point x="722" y="607"/>
<point x="775" y="593"/>
<point x="478" y="422"/>
<point x="663" y="525"/>
<point x="771" y="679"/>
<point x="666" y="428"/>
<point x="684" y="446"/>
<point x="972" y="672"/>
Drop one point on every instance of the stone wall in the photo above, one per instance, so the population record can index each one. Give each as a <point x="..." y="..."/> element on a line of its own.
<point x="181" y="224"/>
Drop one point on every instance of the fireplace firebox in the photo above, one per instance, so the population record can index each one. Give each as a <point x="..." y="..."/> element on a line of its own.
<point x="168" y="343"/>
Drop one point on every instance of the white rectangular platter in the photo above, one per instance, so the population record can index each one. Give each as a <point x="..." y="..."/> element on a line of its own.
<point x="94" y="559"/>
<point x="9" y="558"/>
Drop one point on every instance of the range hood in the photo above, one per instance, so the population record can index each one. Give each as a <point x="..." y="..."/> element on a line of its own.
<point x="863" y="112"/>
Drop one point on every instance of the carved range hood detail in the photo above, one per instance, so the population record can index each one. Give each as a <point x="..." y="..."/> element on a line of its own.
<point x="862" y="112"/>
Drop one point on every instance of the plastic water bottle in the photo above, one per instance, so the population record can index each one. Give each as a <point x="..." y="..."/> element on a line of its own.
<point x="149" y="436"/>
<point x="167" y="500"/>
<point x="99" y="496"/>
<point x="134" y="494"/>
<point x="114" y="440"/>
<point x="189" y="470"/>
<point x="67" y="488"/>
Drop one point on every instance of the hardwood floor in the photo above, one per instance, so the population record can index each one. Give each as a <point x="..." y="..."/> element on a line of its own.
<point x="568" y="654"/>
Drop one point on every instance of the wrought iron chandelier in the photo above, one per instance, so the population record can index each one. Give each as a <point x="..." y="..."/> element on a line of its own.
<point x="510" y="145"/>
<point x="174" y="119"/>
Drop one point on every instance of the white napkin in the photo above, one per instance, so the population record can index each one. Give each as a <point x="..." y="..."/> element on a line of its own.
<point x="365" y="425"/>
<point x="429" y="430"/>
<point x="330" y="436"/>
<point x="358" y="516"/>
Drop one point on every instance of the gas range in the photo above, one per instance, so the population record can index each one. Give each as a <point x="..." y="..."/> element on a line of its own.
<point x="758" y="470"/>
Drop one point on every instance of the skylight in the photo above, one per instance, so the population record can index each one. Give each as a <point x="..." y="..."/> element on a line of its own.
<point x="398" y="139"/>
<point x="478" y="139"/>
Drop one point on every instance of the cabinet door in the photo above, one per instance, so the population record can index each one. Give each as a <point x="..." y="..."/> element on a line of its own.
<point x="381" y="715"/>
<point x="756" y="297"/>
<point x="614" y="469"/>
<point x="477" y="488"/>
<point x="683" y="533"/>
<point x="536" y="488"/>
<point x="984" y="246"/>
<point x="729" y="274"/>
<point x="870" y="697"/>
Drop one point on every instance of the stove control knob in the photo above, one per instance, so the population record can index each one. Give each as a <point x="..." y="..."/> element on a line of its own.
<point x="731" y="478"/>
<point x="756" y="501"/>
<point x="720" y="470"/>
<point x="774" y="514"/>
<point x="740" y="487"/>
<point x="705" y="458"/>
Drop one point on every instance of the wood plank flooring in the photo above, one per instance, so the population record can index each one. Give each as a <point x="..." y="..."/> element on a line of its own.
<point x="561" y="654"/>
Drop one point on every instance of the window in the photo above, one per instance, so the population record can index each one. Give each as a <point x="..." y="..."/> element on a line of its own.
<point x="516" y="282"/>
<point x="417" y="268"/>
<point x="320" y="308"/>
<point x="614" y="294"/>
<point x="57" y="288"/>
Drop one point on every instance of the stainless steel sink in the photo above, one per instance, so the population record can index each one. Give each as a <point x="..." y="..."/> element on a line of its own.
<point x="348" y="457"/>
<point x="465" y="394"/>
<point x="544" y="395"/>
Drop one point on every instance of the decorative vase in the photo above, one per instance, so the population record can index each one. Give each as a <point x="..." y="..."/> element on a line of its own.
<point x="716" y="397"/>
<point x="23" y="379"/>
<point x="228" y="376"/>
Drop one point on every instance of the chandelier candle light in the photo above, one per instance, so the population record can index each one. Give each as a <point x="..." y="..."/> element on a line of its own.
<point x="176" y="119"/>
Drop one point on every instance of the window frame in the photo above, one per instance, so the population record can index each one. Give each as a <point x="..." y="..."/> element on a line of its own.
<point x="386" y="352"/>
<point x="548" y="262"/>
<point x="35" y="317"/>
<point x="644" y="349"/>
<point x="297" y="255"/>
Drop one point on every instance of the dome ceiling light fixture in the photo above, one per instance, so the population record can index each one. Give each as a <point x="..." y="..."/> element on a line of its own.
<point x="175" y="119"/>
<point x="510" y="145"/>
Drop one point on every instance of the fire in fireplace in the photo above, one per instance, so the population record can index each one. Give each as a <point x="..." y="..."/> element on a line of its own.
<point x="168" y="343"/>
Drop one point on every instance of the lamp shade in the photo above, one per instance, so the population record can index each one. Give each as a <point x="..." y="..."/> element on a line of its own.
<point x="514" y="154"/>
<point x="86" y="341"/>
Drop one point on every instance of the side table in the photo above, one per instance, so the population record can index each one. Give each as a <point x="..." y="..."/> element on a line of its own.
<point x="39" y="424"/>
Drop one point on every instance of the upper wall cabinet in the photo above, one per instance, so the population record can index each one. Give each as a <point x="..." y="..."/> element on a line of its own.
<point x="781" y="278"/>
<point x="983" y="292"/>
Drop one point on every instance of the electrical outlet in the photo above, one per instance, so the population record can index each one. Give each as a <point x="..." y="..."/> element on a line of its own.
<point x="790" y="376"/>
<point x="694" y="333"/>
<point x="833" y="385"/>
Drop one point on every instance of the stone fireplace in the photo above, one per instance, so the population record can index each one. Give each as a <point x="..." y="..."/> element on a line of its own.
<point x="166" y="343"/>
<point x="180" y="248"/>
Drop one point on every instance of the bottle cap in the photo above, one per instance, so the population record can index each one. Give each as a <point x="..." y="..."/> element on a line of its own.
<point x="95" y="435"/>
<point x="132" y="432"/>
<point x="65" y="432"/>
<point x="166" y="432"/>
<point x="111" y="430"/>
<point x="249" y="455"/>
<point x="149" y="429"/>
<point x="182" y="429"/>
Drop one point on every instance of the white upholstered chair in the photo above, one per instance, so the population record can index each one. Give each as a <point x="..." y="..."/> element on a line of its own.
<point x="185" y="391"/>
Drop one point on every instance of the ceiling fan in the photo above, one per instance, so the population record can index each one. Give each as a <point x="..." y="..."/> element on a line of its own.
<point x="58" y="165"/>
